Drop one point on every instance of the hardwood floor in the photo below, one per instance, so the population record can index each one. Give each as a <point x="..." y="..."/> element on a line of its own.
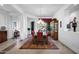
<point x="16" y="49"/>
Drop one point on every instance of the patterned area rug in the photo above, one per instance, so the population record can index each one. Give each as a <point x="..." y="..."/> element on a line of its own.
<point x="29" y="45"/>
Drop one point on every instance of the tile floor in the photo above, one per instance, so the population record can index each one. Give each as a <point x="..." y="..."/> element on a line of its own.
<point x="15" y="49"/>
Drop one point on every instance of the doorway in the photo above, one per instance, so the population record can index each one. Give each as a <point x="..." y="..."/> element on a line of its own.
<point x="32" y="26"/>
<point x="52" y="27"/>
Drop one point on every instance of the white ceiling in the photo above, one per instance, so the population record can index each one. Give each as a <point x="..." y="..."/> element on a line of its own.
<point x="40" y="10"/>
<point x="44" y="10"/>
<point x="9" y="9"/>
<point x="73" y="8"/>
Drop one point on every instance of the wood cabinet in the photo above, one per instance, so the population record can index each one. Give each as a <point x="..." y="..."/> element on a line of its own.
<point x="54" y="29"/>
<point x="3" y="36"/>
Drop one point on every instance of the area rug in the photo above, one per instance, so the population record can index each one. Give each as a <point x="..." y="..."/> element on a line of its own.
<point x="29" y="45"/>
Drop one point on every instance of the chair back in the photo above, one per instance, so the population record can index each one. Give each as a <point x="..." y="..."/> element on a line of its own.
<point x="39" y="35"/>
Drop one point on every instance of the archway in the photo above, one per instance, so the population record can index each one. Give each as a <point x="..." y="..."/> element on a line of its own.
<point x="52" y="27"/>
<point x="49" y="26"/>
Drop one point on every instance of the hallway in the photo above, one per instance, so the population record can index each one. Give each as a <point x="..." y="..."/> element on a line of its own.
<point x="20" y="21"/>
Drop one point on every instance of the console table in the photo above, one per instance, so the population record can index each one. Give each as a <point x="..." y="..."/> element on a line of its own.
<point x="3" y="36"/>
